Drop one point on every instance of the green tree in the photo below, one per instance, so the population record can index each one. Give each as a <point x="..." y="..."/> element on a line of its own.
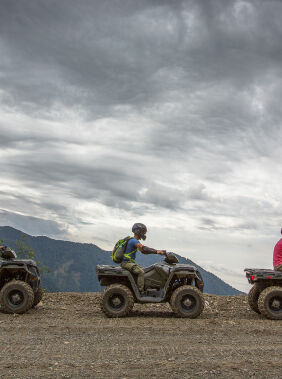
<point x="26" y="252"/>
<point x="23" y="250"/>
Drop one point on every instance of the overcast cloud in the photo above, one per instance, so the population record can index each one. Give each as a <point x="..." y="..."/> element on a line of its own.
<point x="163" y="112"/>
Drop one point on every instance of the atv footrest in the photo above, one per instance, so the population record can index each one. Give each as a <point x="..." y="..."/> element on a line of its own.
<point x="154" y="293"/>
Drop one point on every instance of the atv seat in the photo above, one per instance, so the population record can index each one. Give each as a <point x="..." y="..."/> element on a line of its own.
<point x="102" y="268"/>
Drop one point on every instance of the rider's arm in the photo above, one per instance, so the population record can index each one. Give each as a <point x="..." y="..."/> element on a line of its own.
<point x="148" y="250"/>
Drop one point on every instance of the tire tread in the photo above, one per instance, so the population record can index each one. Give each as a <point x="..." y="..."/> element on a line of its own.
<point x="129" y="296"/>
<point x="253" y="297"/>
<point x="175" y="308"/>
<point x="29" y="291"/>
<point x="261" y="302"/>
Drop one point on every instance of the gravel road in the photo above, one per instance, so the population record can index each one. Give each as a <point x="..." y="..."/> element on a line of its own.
<point x="67" y="336"/>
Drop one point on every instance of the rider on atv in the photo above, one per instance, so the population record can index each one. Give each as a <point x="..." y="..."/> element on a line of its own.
<point x="133" y="245"/>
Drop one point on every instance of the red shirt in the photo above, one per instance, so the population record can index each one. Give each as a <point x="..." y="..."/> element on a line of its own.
<point x="277" y="254"/>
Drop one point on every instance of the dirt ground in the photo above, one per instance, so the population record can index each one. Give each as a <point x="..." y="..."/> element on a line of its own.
<point x="67" y="336"/>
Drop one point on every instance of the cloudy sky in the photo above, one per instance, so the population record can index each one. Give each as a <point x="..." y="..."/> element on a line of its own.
<point x="162" y="112"/>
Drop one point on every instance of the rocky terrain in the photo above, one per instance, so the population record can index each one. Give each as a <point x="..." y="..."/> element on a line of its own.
<point x="67" y="336"/>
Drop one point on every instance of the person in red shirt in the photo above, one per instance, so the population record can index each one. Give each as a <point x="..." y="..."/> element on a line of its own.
<point x="277" y="255"/>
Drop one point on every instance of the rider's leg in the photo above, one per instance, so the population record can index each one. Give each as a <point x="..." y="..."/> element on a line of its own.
<point x="135" y="269"/>
<point x="140" y="278"/>
<point x="278" y="268"/>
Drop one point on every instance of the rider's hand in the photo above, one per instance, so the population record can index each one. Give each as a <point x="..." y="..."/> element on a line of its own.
<point x="161" y="252"/>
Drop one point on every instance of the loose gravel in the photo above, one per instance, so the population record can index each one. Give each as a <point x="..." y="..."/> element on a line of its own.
<point x="67" y="336"/>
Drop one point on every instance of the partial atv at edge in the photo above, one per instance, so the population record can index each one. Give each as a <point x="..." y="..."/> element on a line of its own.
<point x="265" y="297"/>
<point x="20" y="287"/>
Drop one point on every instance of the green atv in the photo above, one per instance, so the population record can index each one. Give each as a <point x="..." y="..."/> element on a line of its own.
<point x="168" y="281"/>
<point x="265" y="296"/>
<point x="20" y="287"/>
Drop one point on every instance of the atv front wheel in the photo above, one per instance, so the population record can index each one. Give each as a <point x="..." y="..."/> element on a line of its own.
<point x="187" y="301"/>
<point x="117" y="300"/>
<point x="37" y="296"/>
<point x="16" y="297"/>
<point x="270" y="303"/>
<point x="253" y="297"/>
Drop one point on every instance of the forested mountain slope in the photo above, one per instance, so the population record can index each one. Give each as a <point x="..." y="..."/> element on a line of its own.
<point x="73" y="265"/>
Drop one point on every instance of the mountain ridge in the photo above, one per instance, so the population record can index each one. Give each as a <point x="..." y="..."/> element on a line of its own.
<point x="73" y="264"/>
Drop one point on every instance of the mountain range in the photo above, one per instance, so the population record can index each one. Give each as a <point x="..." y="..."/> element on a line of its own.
<point x="73" y="265"/>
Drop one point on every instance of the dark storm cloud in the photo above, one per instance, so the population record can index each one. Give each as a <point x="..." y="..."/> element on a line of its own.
<point x="203" y="77"/>
<point x="115" y="185"/>
<point x="81" y="52"/>
<point x="97" y="54"/>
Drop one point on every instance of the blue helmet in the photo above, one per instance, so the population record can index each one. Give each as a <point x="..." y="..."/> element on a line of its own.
<point x="140" y="230"/>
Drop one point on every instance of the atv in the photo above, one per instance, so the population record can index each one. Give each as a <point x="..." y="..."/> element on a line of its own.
<point x="168" y="281"/>
<point x="265" y="296"/>
<point x="20" y="287"/>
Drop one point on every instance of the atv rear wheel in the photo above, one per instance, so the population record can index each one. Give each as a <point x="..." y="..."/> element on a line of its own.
<point x="16" y="297"/>
<point x="117" y="300"/>
<point x="253" y="297"/>
<point x="37" y="296"/>
<point x="187" y="301"/>
<point x="270" y="303"/>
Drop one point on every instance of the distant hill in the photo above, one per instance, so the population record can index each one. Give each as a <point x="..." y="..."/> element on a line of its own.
<point x="73" y="265"/>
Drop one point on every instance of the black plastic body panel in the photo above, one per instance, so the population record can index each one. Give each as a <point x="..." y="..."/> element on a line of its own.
<point x="27" y="269"/>
<point x="157" y="279"/>
<point x="270" y="276"/>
